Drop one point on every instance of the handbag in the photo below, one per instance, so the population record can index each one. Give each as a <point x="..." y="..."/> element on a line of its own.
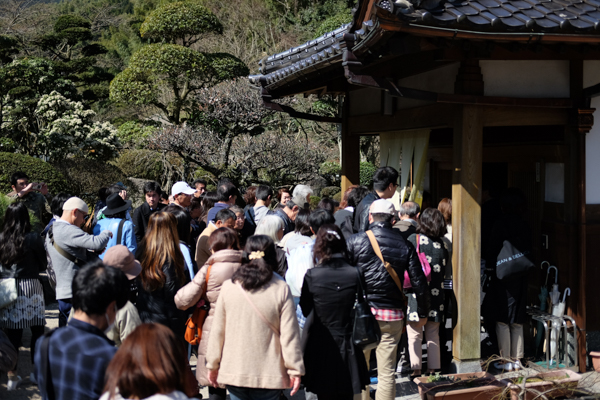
<point x="512" y="263"/>
<point x="424" y="265"/>
<point x="193" y="326"/>
<point x="365" y="332"/>
<point x="8" y="290"/>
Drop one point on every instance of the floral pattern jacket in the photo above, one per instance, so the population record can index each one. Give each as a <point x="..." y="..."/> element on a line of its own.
<point x="438" y="256"/>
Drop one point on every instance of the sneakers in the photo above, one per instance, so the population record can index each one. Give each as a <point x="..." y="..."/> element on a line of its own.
<point x="13" y="382"/>
<point x="504" y="366"/>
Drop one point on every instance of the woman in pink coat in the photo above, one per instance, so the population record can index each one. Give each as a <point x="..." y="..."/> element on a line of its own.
<point x="225" y="260"/>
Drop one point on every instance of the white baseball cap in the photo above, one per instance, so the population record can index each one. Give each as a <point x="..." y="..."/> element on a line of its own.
<point x="76" y="203"/>
<point x="182" y="187"/>
<point x="382" y="206"/>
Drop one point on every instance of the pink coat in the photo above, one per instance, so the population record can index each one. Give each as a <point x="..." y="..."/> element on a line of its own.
<point x="224" y="264"/>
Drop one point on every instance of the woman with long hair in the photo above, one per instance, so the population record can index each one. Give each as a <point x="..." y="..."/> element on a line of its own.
<point x="150" y="364"/>
<point x="22" y="256"/>
<point x="183" y="230"/>
<point x="335" y="367"/>
<point x="220" y="267"/>
<point x="430" y="240"/>
<point x="254" y="344"/>
<point x="163" y="273"/>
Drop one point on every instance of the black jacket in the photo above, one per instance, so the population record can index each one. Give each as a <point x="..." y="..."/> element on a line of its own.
<point x="159" y="305"/>
<point x="288" y="224"/>
<point x="141" y="215"/>
<point x="381" y="289"/>
<point x="361" y="214"/>
<point x="33" y="262"/>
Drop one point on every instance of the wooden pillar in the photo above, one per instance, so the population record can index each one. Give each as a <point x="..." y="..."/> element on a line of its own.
<point x="466" y="232"/>
<point x="350" y="153"/>
<point x="583" y="120"/>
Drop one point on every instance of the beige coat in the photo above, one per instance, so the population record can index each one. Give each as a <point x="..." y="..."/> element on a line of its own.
<point x="224" y="264"/>
<point x="244" y="348"/>
<point x="202" y="250"/>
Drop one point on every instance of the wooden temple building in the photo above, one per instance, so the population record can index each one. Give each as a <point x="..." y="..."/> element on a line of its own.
<point x="505" y="91"/>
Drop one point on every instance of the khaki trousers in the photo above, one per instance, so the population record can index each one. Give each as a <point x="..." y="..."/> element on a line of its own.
<point x="510" y="340"/>
<point x="386" y="360"/>
<point x="415" y="345"/>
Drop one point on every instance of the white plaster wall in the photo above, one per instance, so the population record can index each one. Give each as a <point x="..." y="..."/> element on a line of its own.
<point x="365" y="101"/>
<point x="591" y="73"/>
<point x="543" y="79"/>
<point x="440" y="80"/>
<point x="592" y="160"/>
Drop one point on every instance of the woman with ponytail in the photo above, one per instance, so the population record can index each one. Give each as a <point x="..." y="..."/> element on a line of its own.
<point x="254" y="344"/>
<point x="335" y="367"/>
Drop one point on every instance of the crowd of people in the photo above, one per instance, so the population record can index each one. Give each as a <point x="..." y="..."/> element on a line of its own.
<point x="278" y="281"/>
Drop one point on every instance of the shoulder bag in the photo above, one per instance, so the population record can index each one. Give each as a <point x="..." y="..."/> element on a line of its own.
<point x="512" y="263"/>
<point x="262" y="317"/>
<point x="193" y="326"/>
<point x="8" y="290"/>
<point x="424" y="265"/>
<point x="366" y="332"/>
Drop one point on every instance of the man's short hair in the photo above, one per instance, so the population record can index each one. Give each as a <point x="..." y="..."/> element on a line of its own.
<point x="225" y="190"/>
<point x="224" y="214"/>
<point x="152" y="187"/>
<point x="320" y="217"/>
<point x="263" y="192"/>
<point x="381" y="217"/>
<point x="96" y="285"/>
<point x="383" y="177"/>
<point x="410" y="209"/>
<point x="56" y="205"/>
<point x="202" y="181"/>
<point x="16" y="176"/>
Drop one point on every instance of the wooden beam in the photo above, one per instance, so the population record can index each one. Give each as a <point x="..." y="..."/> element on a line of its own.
<point x="466" y="230"/>
<point x="441" y="116"/>
<point x="350" y="154"/>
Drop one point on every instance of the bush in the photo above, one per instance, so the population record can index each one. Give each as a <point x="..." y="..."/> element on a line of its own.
<point x="36" y="169"/>
<point x="314" y="202"/>
<point x="367" y="170"/>
<point x="142" y="164"/>
<point x="330" y="191"/>
<point x="338" y="197"/>
<point x="87" y="176"/>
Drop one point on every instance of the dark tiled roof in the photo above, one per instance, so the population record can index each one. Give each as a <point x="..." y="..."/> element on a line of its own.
<point x="557" y="16"/>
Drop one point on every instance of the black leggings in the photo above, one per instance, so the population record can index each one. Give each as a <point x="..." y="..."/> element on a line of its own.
<point x="15" y="336"/>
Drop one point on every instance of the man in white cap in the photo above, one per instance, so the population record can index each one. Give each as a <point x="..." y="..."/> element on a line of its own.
<point x="182" y="194"/>
<point x="382" y="256"/>
<point x="68" y="247"/>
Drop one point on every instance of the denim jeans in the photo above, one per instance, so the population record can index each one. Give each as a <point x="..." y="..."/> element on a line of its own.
<point x="64" y="309"/>
<point x="243" y="393"/>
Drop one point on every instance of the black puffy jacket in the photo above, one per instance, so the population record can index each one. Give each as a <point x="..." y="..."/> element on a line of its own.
<point x="361" y="214"/>
<point x="381" y="289"/>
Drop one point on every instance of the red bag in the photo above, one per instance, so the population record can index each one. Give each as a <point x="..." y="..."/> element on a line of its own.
<point x="424" y="264"/>
<point x="193" y="326"/>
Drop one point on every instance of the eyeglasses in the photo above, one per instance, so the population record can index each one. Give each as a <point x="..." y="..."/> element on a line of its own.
<point x="241" y="217"/>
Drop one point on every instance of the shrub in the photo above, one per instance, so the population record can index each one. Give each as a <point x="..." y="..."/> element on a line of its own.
<point x="367" y="170"/>
<point x="330" y="191"/>
<point x="86" y="176"/>
<point x="36" y="169"/>
<point x="314" y="202"/>
<point x="142" y="164"/>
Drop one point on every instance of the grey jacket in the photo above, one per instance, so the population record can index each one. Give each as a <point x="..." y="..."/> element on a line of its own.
<point x="75" y="242"/>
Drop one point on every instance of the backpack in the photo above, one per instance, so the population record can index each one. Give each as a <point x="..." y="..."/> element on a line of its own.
<point x="193" y="326"/>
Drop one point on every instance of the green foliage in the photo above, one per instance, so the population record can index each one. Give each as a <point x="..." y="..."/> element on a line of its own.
<point x="338" y="196"/>
<point x="314" y="202"/>
<point x="342" y="17"/>
<point x="330" y="191"/>
<point x="178" y="70"/>
<point x="35" y="168"/>
<point x="133" y="133"/>
<point x="142" y="164"/>
<point x="180" y="22"/>
<point x="87" y="176"/>
<point x="366" y="173"/>
<point x="9" y="46"/>
<point x="331" y="171"/>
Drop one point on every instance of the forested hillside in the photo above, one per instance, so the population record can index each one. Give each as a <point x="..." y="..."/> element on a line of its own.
<point x="156" y="88"/>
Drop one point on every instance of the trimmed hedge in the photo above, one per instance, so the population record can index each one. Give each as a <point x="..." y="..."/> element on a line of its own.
<point x="36" y="169"/>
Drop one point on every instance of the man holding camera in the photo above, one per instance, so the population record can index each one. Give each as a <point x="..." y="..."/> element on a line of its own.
<point x="33" y="195"/>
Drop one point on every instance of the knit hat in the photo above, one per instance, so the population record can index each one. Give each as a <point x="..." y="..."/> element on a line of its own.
<point x="75" y="203"/>
<point x="121" y="258"/>
<point x="382" y="206"/>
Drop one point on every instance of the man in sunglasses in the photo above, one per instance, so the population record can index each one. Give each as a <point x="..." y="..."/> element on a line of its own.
<point x="70" y="248"/>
